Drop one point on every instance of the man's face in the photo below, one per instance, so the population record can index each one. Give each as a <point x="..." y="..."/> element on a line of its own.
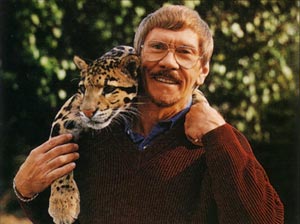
<point x="166" y="82"/>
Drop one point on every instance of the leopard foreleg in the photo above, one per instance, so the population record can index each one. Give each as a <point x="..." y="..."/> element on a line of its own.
<point x="64" y="200"/>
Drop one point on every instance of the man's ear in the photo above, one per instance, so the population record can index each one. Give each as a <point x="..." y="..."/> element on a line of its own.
<point x="203" y="74"/>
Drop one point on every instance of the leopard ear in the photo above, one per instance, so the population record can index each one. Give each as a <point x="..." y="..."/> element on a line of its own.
<point x="130" y="65"/>
<point x="80" y="63"/>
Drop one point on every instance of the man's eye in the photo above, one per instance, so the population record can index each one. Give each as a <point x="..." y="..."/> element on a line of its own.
<point x="184" y="50"/>
<point x="158" y="46"/>
<point x="108" y="89"/>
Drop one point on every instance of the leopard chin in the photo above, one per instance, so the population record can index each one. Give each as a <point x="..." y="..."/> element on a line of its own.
<point x="100" y="120"/>
<point x="97" y="126"/>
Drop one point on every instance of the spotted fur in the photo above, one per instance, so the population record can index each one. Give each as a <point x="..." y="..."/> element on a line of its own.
<point x="107" y="88"/>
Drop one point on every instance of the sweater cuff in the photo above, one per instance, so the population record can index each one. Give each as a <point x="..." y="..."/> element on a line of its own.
<point x="21" y="197"/>
<point x="218" y="136"/>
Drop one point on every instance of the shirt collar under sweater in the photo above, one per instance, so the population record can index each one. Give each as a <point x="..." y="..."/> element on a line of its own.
<point x="141" y="141"/>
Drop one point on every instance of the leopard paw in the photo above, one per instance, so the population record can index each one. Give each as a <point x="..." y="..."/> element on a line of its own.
<point x="64" y="202"/>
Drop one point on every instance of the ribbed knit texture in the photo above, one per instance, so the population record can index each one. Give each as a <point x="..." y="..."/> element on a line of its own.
<point x="172" y="181"/>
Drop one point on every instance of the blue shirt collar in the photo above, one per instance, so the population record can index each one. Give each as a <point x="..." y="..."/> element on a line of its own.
<point x="162" y="126"/>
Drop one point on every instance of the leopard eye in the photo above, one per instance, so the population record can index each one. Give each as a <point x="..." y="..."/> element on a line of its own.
<point x="108" y="89"/>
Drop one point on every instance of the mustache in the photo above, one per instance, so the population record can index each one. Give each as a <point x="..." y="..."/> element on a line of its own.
<point x="166" y="73"/>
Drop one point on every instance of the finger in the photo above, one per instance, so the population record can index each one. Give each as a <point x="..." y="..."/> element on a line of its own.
<point x="198" y="141"/>
<point x="61" y="150"/>
<point x="189" y="132"/>
<point x="195" y="140"/>
<point x="61" y="161"/>
<point x="203" y="100"/>
<point x="53" y="142"/>
<point x="61" y="171"/>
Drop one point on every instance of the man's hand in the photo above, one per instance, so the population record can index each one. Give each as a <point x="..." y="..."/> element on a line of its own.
<point x="46" y="163"/>
<point x="201" y="119"/>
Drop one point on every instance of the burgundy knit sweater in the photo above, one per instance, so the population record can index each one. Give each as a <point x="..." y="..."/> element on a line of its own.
<point x="172" y="181"/>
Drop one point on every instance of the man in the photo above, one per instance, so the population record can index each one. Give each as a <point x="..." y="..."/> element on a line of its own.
<point x="146" y="171"/>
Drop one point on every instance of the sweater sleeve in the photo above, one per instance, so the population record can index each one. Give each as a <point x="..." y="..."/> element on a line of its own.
<point x="37" y="210"/>
<point x="240" y="186"/>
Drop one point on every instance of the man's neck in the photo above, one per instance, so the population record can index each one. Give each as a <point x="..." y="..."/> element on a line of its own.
<point x="151" y="114"/>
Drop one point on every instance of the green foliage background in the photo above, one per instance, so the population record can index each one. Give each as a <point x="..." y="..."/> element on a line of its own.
<point x="254" y="78"/>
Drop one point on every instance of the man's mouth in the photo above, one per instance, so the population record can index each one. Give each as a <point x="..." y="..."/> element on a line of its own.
<point x="165" y="78"/>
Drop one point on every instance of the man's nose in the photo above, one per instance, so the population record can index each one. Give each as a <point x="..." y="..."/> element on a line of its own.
<point x="169" y="60"/>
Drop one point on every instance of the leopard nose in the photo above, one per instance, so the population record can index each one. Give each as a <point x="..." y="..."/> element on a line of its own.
<point x="89" y="113"/>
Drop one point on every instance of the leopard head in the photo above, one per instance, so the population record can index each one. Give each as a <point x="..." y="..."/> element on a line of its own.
<point x="108" y="86"/>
